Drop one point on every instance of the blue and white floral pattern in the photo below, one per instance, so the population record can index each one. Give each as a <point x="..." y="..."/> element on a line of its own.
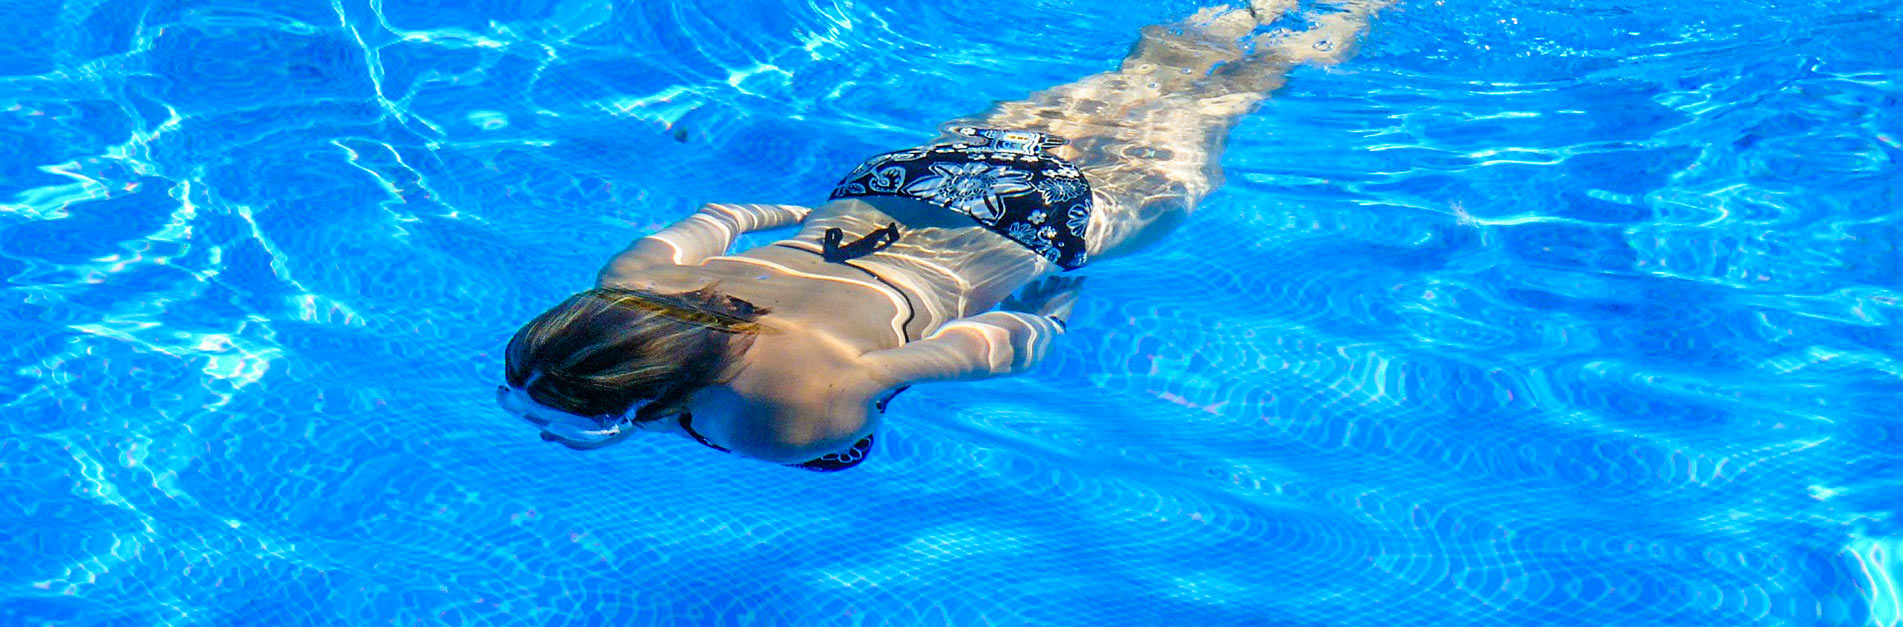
<point x="1056" y="190"/>
<point x="887" y="180"/>
<point x="1004" y="180"/>
<point x="1079" y="219"/>
<point x="852" y="185"/>
<point x="973" y="189"/>
<point x="1037" y="239"/>
<point x="909" y="154"/>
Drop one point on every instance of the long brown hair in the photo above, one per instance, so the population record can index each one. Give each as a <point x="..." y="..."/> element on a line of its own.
<point x="603" y="350"/>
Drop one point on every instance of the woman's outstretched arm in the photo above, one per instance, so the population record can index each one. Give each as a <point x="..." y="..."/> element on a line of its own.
<point x="707" y="233"/>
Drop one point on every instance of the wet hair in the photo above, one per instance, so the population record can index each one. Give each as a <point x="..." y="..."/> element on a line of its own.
<point x="606" y="349"/>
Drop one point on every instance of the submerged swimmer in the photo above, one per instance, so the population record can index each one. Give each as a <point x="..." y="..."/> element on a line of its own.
<point x="789" y="352"/>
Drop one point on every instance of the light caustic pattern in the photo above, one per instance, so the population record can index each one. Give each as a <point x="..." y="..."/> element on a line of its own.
<point x="1550" y="313"/>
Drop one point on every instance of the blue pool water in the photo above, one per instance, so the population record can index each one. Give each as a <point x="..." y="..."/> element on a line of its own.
<point x="1534" y="313"/>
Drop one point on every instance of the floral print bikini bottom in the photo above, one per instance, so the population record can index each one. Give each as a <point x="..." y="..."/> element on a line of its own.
<point x="1002" y="179"/>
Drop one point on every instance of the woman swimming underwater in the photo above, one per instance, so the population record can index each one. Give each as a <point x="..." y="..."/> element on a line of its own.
<point x="789" y="352"/>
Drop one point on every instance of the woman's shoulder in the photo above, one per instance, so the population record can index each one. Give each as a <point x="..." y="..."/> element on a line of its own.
<point x="809" y="393"/>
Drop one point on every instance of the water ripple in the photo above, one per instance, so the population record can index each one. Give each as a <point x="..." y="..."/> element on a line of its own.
<point x="1534" y="313"/>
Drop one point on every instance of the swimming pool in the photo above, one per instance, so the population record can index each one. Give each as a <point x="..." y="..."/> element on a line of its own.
<point x="1533" y="313"/>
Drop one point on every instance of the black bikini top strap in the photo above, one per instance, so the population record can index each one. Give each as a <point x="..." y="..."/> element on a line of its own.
<point x="881" y="403"/>
<point x="687" y="424"/>
<point x="873" y="242"/>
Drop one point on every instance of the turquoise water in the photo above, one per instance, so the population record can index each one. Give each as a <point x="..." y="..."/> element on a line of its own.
<point x="1533" y="313"/>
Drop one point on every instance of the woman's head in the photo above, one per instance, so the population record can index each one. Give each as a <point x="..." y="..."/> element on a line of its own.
<point x="605" y="351"/>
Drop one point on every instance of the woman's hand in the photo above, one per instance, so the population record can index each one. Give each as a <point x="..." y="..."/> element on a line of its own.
<point x="1052" y="297"/>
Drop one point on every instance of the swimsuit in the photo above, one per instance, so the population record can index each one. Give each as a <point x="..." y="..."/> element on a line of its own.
<point x="1004" y="180"/>
<point x="834" y="462"/>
